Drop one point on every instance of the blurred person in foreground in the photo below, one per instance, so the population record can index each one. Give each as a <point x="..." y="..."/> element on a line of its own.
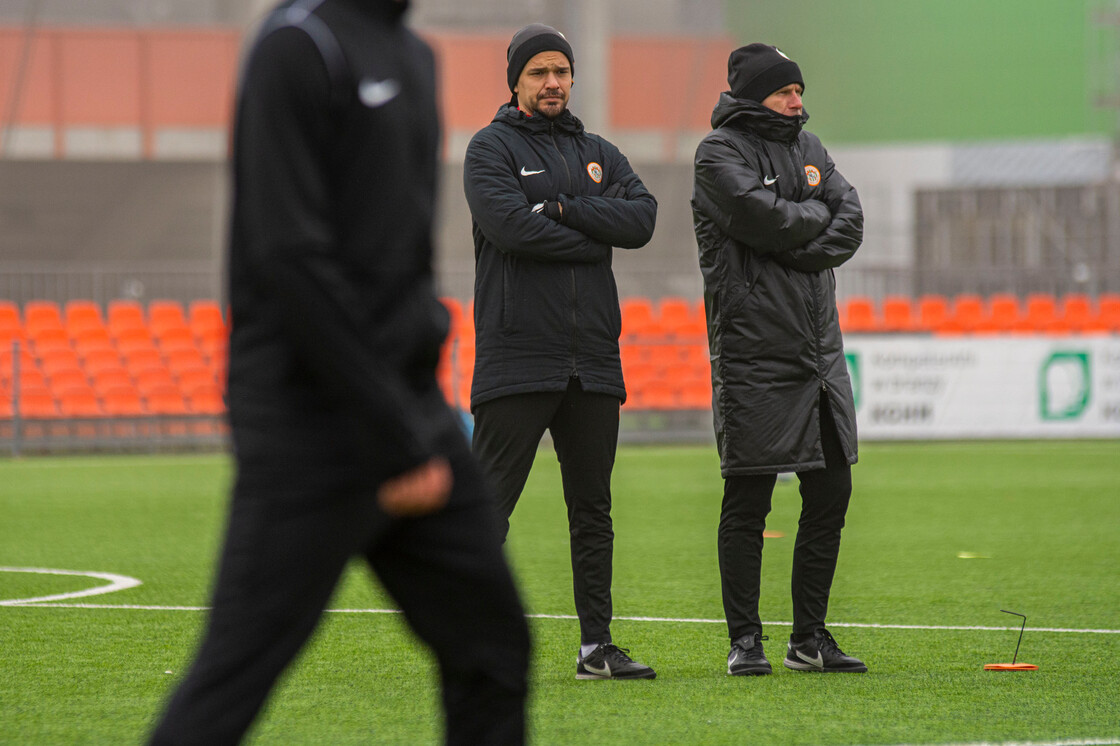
<point x="773" y="219"/>
<point x="344" y="444"/>
<point x="548" y="201"/>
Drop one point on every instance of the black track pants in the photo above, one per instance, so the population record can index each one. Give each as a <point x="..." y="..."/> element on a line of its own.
<point x="746" y="503"/>
<point x="286" y="547"/>
<point x="584" y="428"/>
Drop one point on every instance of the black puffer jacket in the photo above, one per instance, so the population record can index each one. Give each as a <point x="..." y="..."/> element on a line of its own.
<point x="545" y="303"/>
<point x="773" y="218"/>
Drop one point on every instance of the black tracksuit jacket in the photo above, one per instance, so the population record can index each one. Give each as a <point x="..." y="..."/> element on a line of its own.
<point x="336" y="326"/>
<point x="773" y="218"/>
<point x="546" y="306"/>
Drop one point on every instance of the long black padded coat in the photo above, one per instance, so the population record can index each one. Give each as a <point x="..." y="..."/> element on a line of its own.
<point x="773" y="218"/>
<point x="546" y="305"/>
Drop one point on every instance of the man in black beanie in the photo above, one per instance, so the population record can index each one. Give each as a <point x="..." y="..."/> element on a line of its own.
<point x="773" y="219"/>
<point x="549" y="200"/>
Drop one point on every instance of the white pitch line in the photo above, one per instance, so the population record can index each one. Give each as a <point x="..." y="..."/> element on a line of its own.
<point x="565" y="617"/>
<point x="116" y="583"/>
<point x="1063" y="742"/>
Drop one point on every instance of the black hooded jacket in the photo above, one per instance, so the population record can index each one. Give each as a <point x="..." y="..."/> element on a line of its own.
<point x="545" y="304"/>
<point x="336" y="326"/>
<point x="773" y="218"/>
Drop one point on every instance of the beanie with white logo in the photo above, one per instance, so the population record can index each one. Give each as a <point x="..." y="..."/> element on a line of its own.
<point x="757" y="70"/>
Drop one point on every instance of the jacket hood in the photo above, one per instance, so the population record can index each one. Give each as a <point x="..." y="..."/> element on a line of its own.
<point x="748" y="115"/>
<point x="508" y="113"/>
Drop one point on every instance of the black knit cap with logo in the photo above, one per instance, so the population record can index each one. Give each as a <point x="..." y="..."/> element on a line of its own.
<point x="531" y="41"/>
<point x="757" y="70"/>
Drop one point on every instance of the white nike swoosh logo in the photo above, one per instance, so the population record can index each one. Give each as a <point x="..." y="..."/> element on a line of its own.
<point x="818" y="661"/>
<point x="768" y="181"/>
<point x="375" y="93"/>
<point x="604" y="671"/>
<point x="530" y="173"/>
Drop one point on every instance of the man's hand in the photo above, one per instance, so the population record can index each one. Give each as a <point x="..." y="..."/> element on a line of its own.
<point x="422" y="490"/>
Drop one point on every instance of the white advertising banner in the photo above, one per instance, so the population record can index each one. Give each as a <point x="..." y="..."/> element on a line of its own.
<point x="912" y="387"/>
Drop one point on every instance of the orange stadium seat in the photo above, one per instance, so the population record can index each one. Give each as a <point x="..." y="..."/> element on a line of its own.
<point x="66" y="378"/>
<point x="56" y="359"/>
<point x="108" y="379"/>
<point x="166" y="400"/>
<point x="184" y="359"/>
<point x="1003" y="315"/>
<point x="861" y="316"/>
<point x="898" y="314"/>
<point x="30" y="377"/>
<point x="206" y="400"/>
<point x="123" y="401"/>
<point x="933" y="310"/>
<point x="166" y="314"/>
<point x="637" y="317"/>
<point x="49" y="338"/>
<point x="82" y="313"/>
<point x="696" y="395"/>
<point x="153" y="378"/>
<point x="679" y="318"/>
<point x="204" y="317"/>
<point x="98" y="359"/>
<point x="129" y="335"/>
<point x="1108" y="311"/>
<point x="658" y="394"/>
<point x="89" y="336"/>
<point x="126" y="314"/>
<point x="969" y="312"/>
<point x="37" y="403"/>
<point x="142" y="357"/>
<point x="9" y="313"/>
<point x="1077" y="312"/>
<point x="175" y="338"/>
<point x="79" y="402"/>
<point x="41" y="314"/>
<point x="193" y="378"/>
<point x="1041" y="314"/>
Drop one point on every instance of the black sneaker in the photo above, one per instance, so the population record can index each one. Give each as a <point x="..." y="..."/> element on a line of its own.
<point x="821" y="654"/>
<point x="611" y="662"/>
<point x="747" y="657"/>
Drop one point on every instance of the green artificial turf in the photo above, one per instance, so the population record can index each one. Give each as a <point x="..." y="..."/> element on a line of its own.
<point x="1035" y="522"/>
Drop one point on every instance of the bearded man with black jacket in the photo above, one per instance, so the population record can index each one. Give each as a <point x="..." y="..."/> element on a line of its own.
<point x="345" y="447"/>
<point x="549" y="200"/>
<point x="773" y="219"/>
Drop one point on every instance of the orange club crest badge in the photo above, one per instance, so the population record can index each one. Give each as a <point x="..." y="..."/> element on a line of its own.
<point x="595" y="171"/>
<point x="812" y="175"/>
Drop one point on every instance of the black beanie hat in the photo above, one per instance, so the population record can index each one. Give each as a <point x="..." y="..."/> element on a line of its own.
<point x="529" y="42"/>
<point x="757" y="70"/>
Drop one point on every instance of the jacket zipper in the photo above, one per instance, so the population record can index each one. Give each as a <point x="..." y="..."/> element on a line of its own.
<point x="572" y="271"/>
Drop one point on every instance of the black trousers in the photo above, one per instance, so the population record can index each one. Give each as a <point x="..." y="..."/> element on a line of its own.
<point x="584" y="428"/>
<point x="287" y="545"/>
<point x="746" y="503"/>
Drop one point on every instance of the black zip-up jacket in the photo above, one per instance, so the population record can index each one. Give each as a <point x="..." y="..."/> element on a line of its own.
<point x="773" y="218"/>
<point x="545" y="303"/>
<point x="336" y="326"/>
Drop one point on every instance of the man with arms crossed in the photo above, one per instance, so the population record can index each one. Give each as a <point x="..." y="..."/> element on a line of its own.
<point x="548" y="201"/>
<point x="773" y="219"/>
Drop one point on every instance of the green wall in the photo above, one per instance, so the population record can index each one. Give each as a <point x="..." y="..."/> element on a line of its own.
<point x="910" y="70"/>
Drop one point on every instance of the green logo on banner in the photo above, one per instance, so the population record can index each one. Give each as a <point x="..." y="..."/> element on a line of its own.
<point x="1064" y="386"/>
<point x="852" y="359"/>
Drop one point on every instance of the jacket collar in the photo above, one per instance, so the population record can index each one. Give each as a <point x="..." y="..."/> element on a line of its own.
<point x="743" y="114"/>
<point x="567" y="122"/>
